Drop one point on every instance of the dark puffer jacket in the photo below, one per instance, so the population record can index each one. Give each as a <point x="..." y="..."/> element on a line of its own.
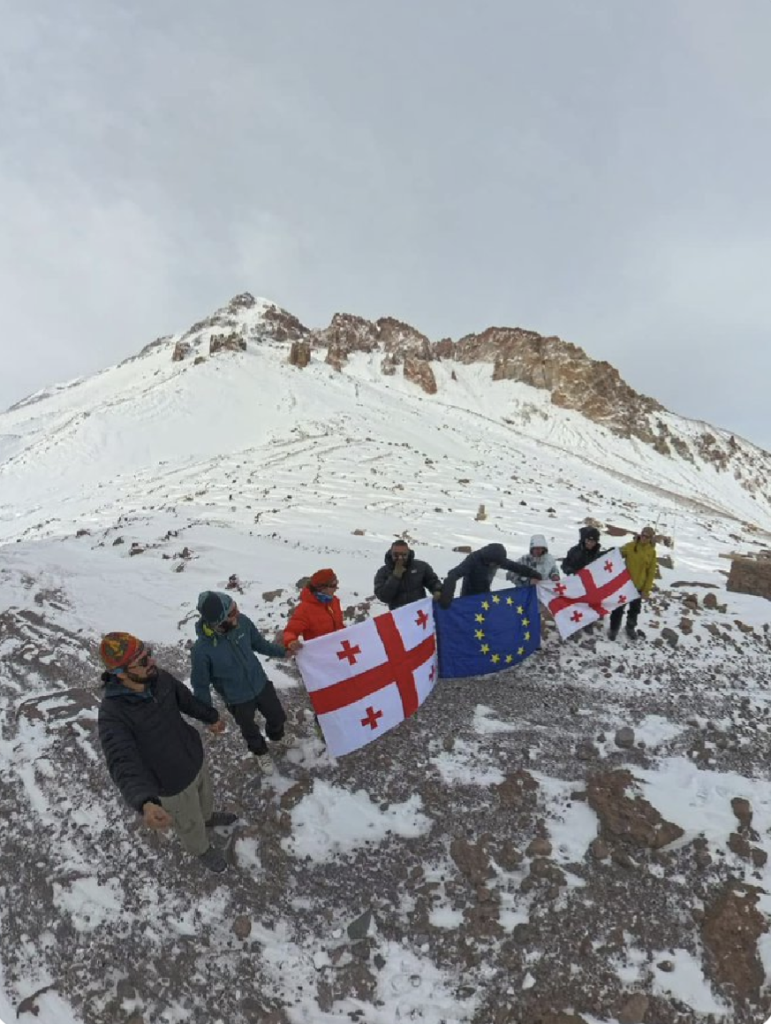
<point x="396" y="591"/>
<point x="478" y="569"/>
<point x="580" y="556"/>
<point x="151" y="751"/>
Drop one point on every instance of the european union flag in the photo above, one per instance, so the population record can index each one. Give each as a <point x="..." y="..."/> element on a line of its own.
<point x="487" y="632"/>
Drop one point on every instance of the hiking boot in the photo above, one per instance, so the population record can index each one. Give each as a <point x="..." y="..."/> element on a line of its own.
<point x="265" y="764"/>
<point x="612" y="632"/>
<point x="283" y="742"/>
<point x="213" y="860"/>
<point x="221" y="819"/>
<point x="631" y="632"/>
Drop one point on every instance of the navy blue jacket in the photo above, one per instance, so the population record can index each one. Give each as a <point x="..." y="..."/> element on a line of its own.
<point x="226" y="662"/>
<point x="150" y="749"/>
<point x="478" y="569"/>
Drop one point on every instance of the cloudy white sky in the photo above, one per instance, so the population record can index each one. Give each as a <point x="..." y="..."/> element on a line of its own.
<point x="597" y="170"/>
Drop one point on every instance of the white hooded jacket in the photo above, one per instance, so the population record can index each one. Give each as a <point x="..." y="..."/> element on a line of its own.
<point x="546" y="565"/>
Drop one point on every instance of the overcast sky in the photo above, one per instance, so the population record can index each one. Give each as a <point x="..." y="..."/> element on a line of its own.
<point x="597" y="170"/>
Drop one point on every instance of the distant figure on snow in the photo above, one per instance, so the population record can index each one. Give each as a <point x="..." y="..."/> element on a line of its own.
<point x="154" y="757"/>
<point x="587" y="549"/>
<point x="318" y="612"/>
<point x="537" y="558"/>
<point x="478" y="570"/>
<point x="640" y="557"/>
<point x="223" y="658"/>
<point x="403" y="578"/>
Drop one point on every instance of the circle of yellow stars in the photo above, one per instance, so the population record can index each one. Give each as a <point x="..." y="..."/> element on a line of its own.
<point x="484" y="648"/>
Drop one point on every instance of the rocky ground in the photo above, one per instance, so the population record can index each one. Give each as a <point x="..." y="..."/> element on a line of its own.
<point x="492" y="895"/>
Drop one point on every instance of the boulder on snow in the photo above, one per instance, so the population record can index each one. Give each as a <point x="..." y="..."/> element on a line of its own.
<point x="300" y="354"/>
<point x="750" y="576"/>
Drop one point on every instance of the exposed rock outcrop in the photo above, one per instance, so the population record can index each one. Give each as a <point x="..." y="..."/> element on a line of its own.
<point x="731" y="929"/>
<point x="281" y="325"/>
<point x="626" y="816"/>
<point x="226" y="343"/>
<point x="300" y="354"/>
<point x="750" y="576"/>
<point x="419" y="372"/>
<point x="181" y="349"/>
<point x="347" y="333"/>
<point x="575" y="381"/>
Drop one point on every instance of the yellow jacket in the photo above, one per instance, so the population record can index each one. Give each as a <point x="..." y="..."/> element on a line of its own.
<point x="641" y="562"/>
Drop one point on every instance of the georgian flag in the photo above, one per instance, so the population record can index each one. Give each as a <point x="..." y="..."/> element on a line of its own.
<point x="576" y="601"/>
<point x="366" y="679"/>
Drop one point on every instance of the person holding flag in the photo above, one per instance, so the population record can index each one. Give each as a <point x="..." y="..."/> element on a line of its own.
<point x="478" y="571"/>
<point x="642" y="563"/>
<point x="318" y="612"/>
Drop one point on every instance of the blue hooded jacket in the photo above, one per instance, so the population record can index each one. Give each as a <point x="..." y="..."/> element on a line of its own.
<point x="226" y="662"/>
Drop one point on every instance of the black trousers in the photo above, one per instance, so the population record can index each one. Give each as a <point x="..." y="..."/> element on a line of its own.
<point x="269" y="706"/>
<point x="632" y="614"/>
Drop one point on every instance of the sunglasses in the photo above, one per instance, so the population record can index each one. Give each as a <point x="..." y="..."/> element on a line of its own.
<point x="330" y="586"/>
<point x="142" y="662"/>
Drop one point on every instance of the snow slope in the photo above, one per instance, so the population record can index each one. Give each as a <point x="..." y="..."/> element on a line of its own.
<point x="124" y="495"/>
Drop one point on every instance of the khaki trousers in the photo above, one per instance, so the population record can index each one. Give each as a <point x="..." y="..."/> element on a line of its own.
<point x="191" y="809"/>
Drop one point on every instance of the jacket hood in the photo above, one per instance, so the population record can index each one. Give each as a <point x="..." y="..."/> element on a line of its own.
<point x="493" y="553"/>
<point x="389" y="561"/>
<point x="204" y="631"/>
<point x="538" y="541"/>
<point x="589" y="533"/>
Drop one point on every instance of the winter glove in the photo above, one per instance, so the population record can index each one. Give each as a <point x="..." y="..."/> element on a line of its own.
<point x="436" y="595"/>
<point x="399" y="569"/>
<point x="445" y="600"/>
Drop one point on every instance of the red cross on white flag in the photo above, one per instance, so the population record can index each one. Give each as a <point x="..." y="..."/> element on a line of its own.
<point x="366" y="679"/>
<point x="576" y="601"/>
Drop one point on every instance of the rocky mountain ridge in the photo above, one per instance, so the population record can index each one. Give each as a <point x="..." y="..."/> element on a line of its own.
<point x="572" y="379"/>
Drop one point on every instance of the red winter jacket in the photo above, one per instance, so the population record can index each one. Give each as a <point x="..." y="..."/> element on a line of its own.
<point x="311" y="618"/>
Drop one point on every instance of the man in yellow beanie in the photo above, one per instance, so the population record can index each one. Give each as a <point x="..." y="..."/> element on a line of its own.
<point x="154" y="757"/>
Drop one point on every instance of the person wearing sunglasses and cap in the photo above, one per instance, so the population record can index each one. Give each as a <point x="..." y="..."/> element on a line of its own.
<point x="642" y="563"/>
<point x="223" y="659"/>
<point x="153" y="756"/>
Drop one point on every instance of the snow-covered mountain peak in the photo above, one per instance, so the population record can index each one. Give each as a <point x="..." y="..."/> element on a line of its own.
<point x="227" y="385"/>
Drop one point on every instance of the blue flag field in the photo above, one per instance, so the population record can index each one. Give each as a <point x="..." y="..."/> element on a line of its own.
<point x="487" y="632"/>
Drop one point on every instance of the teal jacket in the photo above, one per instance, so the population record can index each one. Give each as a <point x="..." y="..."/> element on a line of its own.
<point x="226" y="662"/>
